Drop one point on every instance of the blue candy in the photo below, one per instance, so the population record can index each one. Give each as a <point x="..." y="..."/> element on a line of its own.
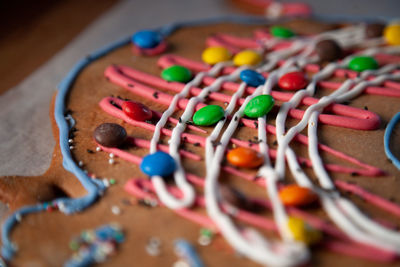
<point x="158" y="163"/>
<point x="252" y="77"/>
<point x="147" y="39"/>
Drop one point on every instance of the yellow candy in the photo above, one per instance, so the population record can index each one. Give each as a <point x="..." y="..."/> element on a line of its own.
<point x="216" y="54"/>
<point x="247" y="57"/>
<point x="303" y="232"/>
<point x="392" y="34"/>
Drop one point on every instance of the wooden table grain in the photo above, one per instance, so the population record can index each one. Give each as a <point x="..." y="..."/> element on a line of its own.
<point x="33" y="31"/>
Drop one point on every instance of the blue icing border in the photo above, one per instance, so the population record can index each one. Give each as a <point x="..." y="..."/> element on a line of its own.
<point x="386" y="140"/>
<point x="95" y="187"/>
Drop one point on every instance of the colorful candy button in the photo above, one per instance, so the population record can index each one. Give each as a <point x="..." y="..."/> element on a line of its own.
<point x="252" y="78"/>
<point x="215" y="54"/>
<point x="281" y="32"/>
<point x="303" y="232"/>
<point x="244" y="157"/>
<point x="208" y="115"/>
<point x="374" y="30"/>
<point x="147" y="39"/>
<point x="110" y="134"/>
<point x="362" y="63"/>
<point x="136" y="111"/>
<point x="259" y="106"/>
<point x="328" y="50"/>
<point x="158" y="163"/>
<point x="176" y="73"/>
<point x="392" y="34"/>
<point x="247" y="57"/>
<point x="294" y="195"/>
<point x="293" y="81"/>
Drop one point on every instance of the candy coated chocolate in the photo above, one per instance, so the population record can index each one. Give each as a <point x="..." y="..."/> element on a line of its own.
<point x="252" y="78"/>
<point x="328" y="50"/>
<point x="215" y="54"/>
<point x="293" y="81"/>
<point x="176" y="73"/>
<point x="136" y="111"/>
<point x="281" y="32"/>
<point x="247" y="57"/>
<point x="208" y="115"/>
<point x="362" y="63"/>
<point x="110" y="134"/>
<point x="374" y="30"/>
<point x="147" y="39"/>
<point x="259" y="106"/>
<point x="392" y="34"/>
<point x="244" y="157"/>
<point x="303" y="232"/>
<point x="295" y="195"/>
<point x="158" y="163"/>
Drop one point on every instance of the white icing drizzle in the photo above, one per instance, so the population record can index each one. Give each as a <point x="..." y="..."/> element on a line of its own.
<point x="179" y="174"/>
<point x="345" y="215"/>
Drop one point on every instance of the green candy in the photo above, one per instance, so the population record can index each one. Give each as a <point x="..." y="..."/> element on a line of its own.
<point x="281" y="32"/>
<point x="206" y="232"/>
<point x="362" y="63"/>
<point x="74" y="245"/>
<point x="208" y="115"/>
<point x="259" y="106"/>
<point x="176" y="73"/>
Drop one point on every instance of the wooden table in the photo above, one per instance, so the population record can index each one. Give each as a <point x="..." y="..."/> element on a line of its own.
<point x="33" y="31"/>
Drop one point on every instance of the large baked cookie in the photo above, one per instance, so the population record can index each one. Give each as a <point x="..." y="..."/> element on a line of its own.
<point x="233" y="142"/>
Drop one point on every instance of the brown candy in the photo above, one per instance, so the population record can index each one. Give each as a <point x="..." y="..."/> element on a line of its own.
<point x="374" y="30"/>
<point x="109" y="134"/>
<point x="328" y="50"/>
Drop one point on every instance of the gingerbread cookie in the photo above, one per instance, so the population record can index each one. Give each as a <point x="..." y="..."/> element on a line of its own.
<point x="232" y="142"/>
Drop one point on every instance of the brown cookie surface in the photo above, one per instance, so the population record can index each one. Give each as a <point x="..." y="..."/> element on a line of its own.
<point x="43" y="238"/>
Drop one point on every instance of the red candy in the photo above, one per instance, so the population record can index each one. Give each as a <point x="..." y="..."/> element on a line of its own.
<point x="136" y="111"/>
<point x="293" y="81"/>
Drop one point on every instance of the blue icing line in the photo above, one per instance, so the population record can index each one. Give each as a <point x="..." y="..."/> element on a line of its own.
<point x="95" y="187"/>
<point x="386" y="140"/>
<point x="185" y="250"/>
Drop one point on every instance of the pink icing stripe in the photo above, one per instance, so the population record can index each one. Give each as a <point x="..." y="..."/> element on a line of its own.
<point x="196" y="66"/>
<point x="234" y="43"/>
<point x="372" y="90"/>
<point x="140" y="89"/>
<point x="175" y="121"/>
<point x="296" y="8"/>
<point x="374" y="199"/>
<point x="106" y="105"/>
<point x="168" y="60"/>
<point x="155" y="81"/>
<point x="127" y="77"/>
<point x="290" y="9"/>
<point x="384" y="59"/>
<point x="119" y="103"/>
<point x="143" y="144"/>
<point x="363" y="252"/>
<point x="160" y="48"/>
<point x="367" y="170"/>
<point x="225" y="40"/>
<point x="136" y="187"/>
<point x="263" y="34"/>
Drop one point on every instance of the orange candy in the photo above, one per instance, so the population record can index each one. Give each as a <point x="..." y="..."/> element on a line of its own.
<point x="244" y="157"/>
<point x="294" y="195"/>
